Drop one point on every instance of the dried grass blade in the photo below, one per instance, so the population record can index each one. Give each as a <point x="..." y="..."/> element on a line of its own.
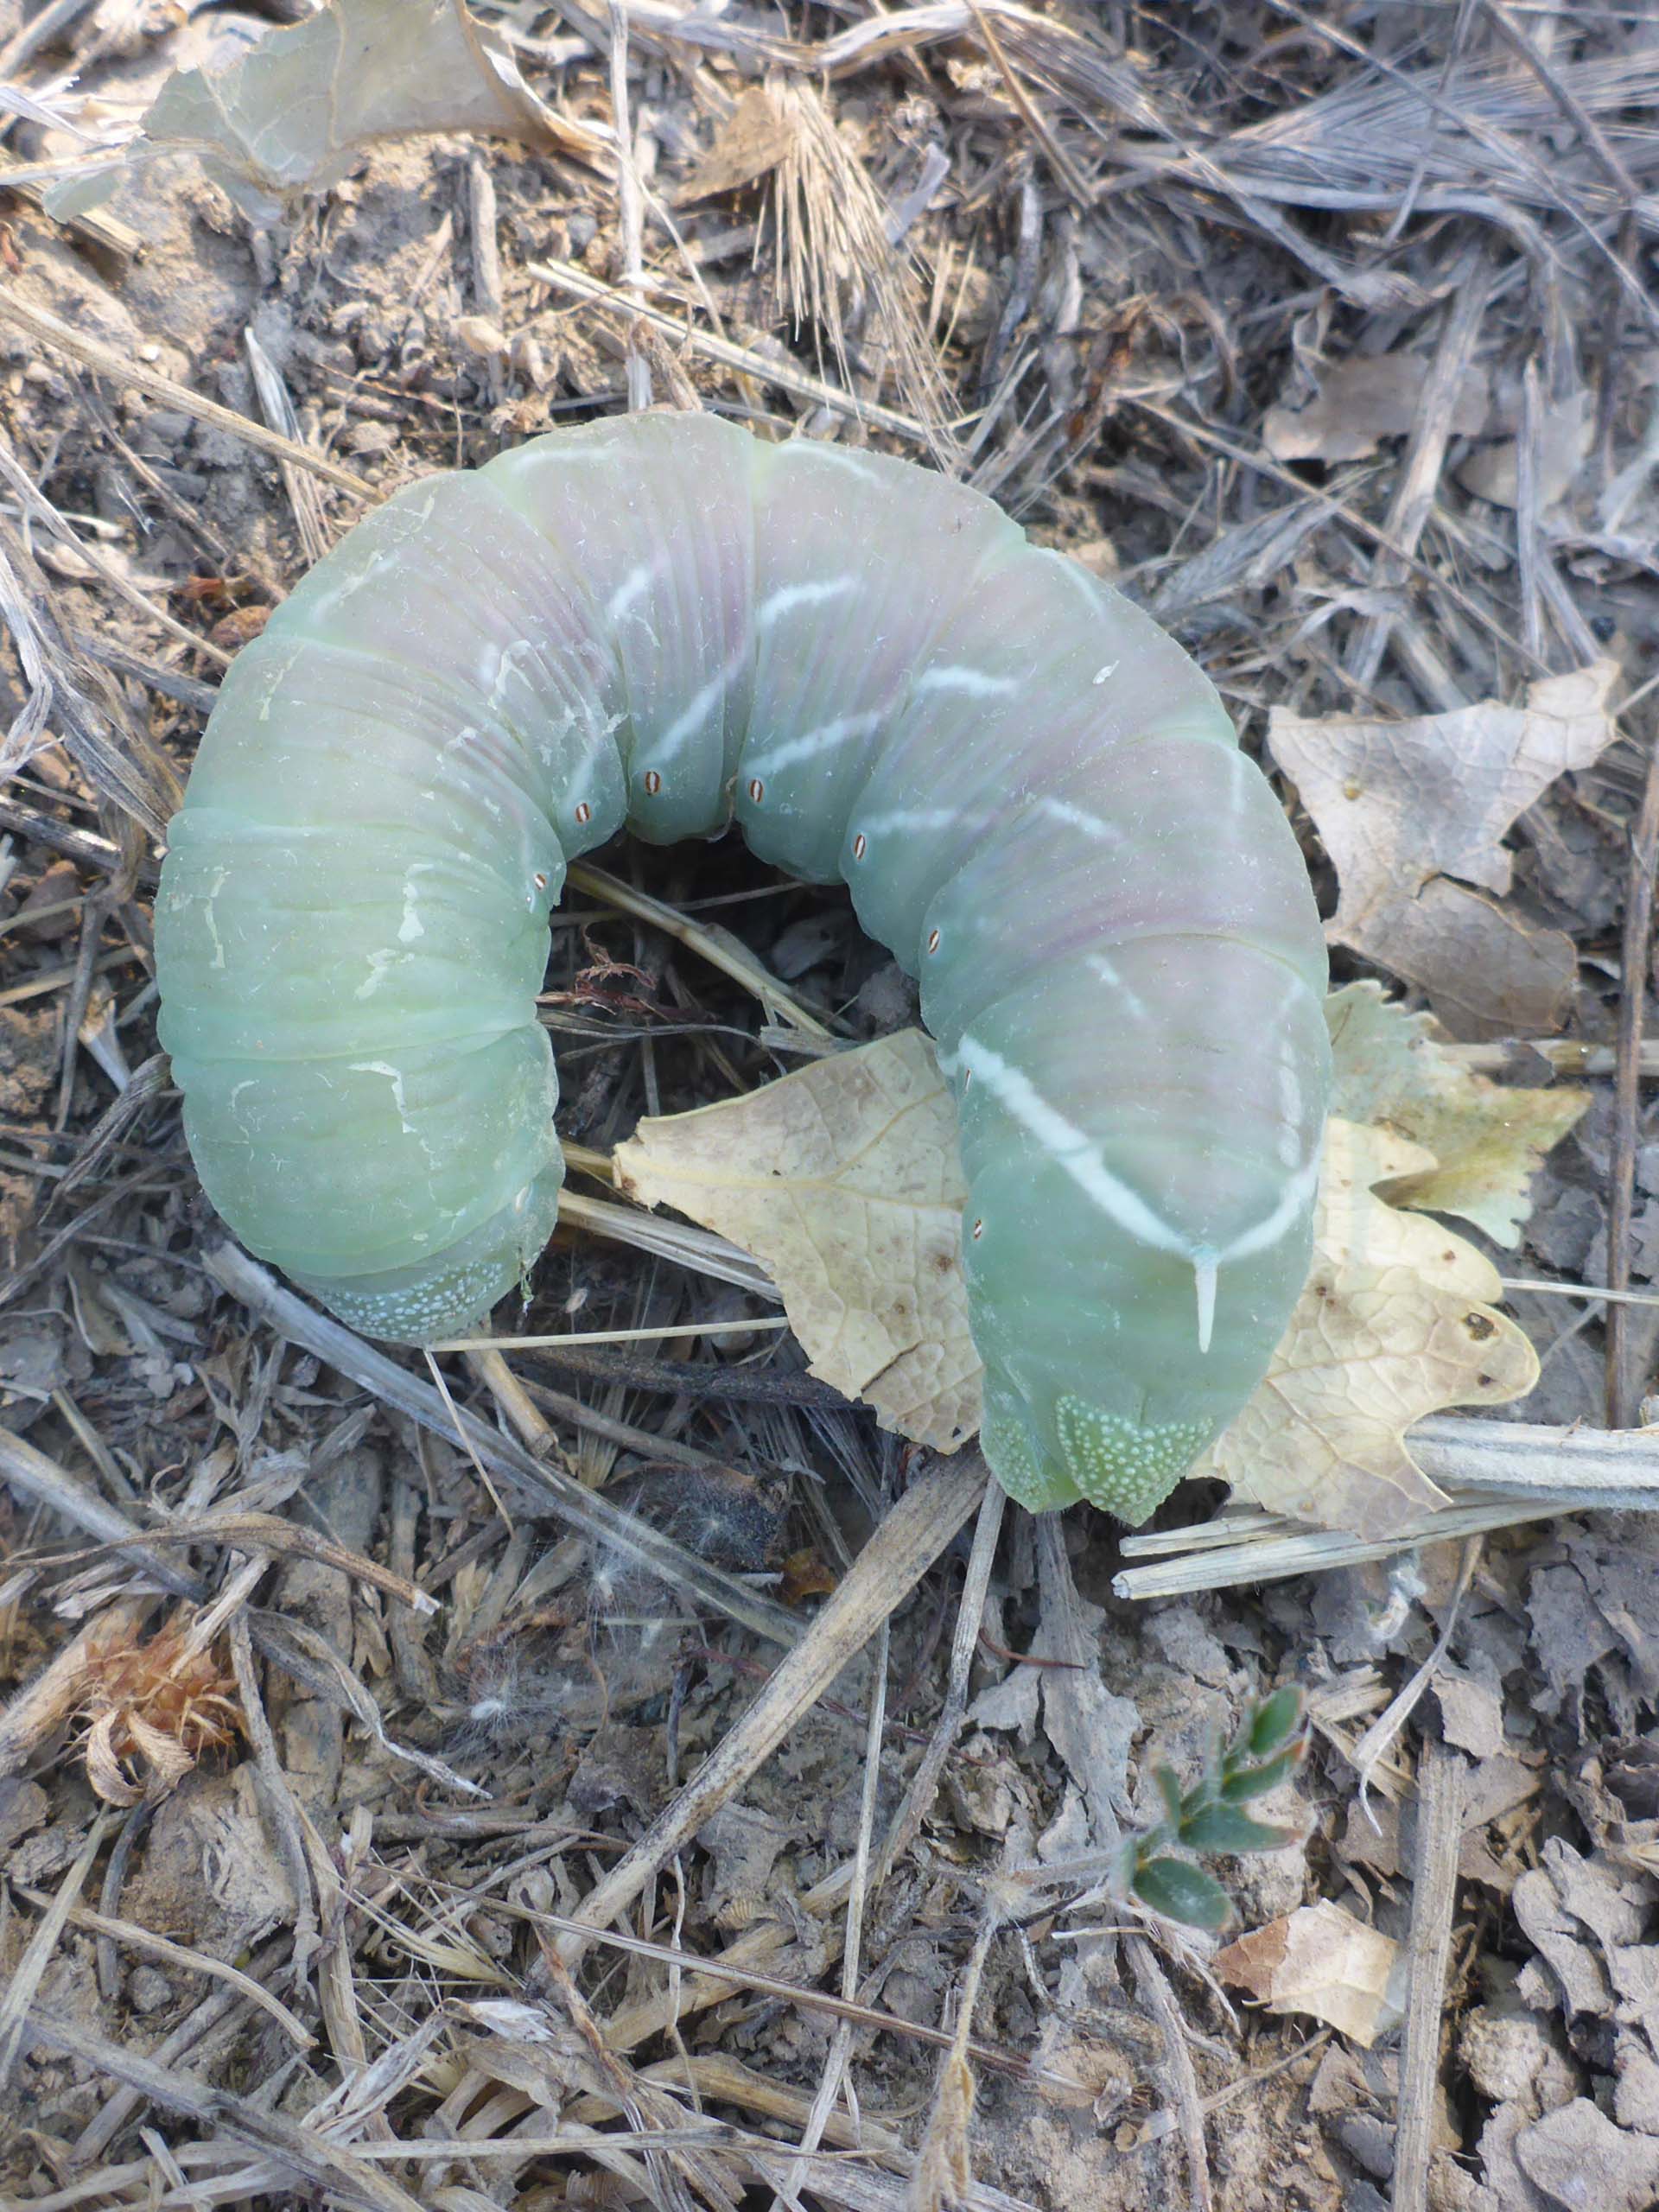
<point x="544" y="1488"/>
<point x="886" y="1572"/>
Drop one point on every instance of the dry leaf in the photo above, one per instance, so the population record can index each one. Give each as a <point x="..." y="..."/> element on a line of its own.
<point x="295" y="113"/>
<point x="1395" y="1323"/>
<point x="845" y="1179"/>
<point x="1489" y="972"/>
<point x="166" y="1757"/>
<point x="1487" y="1138"/>
<point x="806" y="1573"/>
<point x="479" y="335"/>
<point x="754" y="138"/>
<point x="1319" y="1960"/>
<point x="1404" y="808"/>
<point x="1566" y="432"/>
<point x="1364" y="400"/>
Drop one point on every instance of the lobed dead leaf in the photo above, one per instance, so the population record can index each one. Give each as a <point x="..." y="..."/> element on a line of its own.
<point x="1488" y="1139"/>
<point x="294" y="114"/>
<point x="845" y="1179"/>
<point x="1396" y="1322"/>
<point x="1566" y="433"/>
<point x="1412" y="813"/>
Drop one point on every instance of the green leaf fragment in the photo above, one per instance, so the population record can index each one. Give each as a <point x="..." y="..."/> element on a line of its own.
<point x="1254" y="1781"/>
<point x="1223" y="1827"/>
<point x="1169" y="1789"/>
<point x="1183" y="1892"/>
<point x="1275" y="1720"/>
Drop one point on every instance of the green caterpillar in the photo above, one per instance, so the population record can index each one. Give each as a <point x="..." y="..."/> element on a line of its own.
<point x="662" y="623"/>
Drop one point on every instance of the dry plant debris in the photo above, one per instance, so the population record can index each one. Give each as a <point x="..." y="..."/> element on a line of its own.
<point x="749" y="145"/>
<point x="1360" y="401"/>
<point x="1331" y="334"/>
<point x="158" y="1707"/>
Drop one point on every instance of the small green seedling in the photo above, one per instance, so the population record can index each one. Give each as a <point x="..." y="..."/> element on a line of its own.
<point x="1210" y="1816"/>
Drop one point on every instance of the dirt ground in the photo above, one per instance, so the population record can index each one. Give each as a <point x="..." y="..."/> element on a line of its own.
<point x="1328" y="333"/>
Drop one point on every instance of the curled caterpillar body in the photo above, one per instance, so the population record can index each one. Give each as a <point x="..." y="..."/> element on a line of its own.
<point x="1037" y="801"/>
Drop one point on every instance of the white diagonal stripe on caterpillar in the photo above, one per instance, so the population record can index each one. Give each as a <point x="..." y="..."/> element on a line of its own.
<point x="1292" y="1205"/>
<point x="1070" y="1147"/>
<point x="788" y="597"/>
<point x="380" y="963"/>
<point x="633" y="588"/>
<point x="1133" y="1002"/>
<point x="1076" y="817"/>
<point x="921" y="818"/>
<point x="680" y="732"/>
<point x="812" y="742"/>
<point x="411" y="926"/>
<point x="972" y="683"/>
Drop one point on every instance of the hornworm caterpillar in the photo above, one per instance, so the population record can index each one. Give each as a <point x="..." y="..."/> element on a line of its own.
<point x="1035" y="798"/>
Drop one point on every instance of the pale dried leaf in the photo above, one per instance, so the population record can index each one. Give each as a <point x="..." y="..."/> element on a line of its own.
<point x="1487" y="1138"/>
<point x="754" y="138"/>
<point x="845" y="1181"/>
<point x="479" y="334"/>
<point x="1320" y="1960"/>
<point x="1489" y="972"/>
<point x="295" y="113"/>
<point x="1396" y="1322"/>
<point x="1404" y="807"/>
<point x="1362" y="401"/>
<point x="1566" y="433"/>
<point x="1396" y="803"/>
